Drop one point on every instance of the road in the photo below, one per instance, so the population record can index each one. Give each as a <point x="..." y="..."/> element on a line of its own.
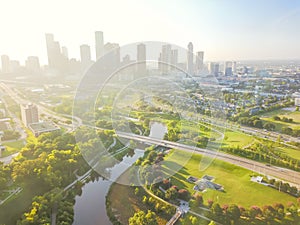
<point x="62" y="118"/>
<point x="290" y="176"/>
<point x="6" y="160"/>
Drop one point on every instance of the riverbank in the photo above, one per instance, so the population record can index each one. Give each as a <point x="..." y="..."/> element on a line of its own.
<point x="123" y="201"/>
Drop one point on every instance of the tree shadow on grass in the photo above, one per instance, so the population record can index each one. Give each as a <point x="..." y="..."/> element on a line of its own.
<point x="175" y="167"/>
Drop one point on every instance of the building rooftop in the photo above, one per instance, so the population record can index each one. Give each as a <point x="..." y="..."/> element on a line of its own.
<point x="42" y="127"/>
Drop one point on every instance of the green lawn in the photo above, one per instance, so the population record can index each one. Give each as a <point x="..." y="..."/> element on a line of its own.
<point x="276" y="113"/>
<point x="12" y="147"/>
<point x="235" y="180"/>
<point x="280" y="124"/>
<point x="292" y="152"/>
<point x="236" y="138"/>
<point x="13" y="209"/>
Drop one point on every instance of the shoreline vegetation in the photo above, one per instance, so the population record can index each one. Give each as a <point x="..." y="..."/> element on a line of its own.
<point x="123" y="201"/>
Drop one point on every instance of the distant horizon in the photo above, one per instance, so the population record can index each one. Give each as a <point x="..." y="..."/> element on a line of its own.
<point x="224" y="30"/>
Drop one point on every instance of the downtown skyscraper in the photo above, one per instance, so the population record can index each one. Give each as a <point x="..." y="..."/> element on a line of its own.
<point x="141" y="59"/>
<point x="56" y="60"/>
<point x="99" y="44"/>
<point x="190" y="59"/>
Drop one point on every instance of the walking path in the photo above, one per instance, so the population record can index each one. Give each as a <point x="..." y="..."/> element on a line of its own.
<point x="13" y="192"/>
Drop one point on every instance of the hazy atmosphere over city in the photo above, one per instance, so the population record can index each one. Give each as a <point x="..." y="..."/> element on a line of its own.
<point x="224" y="29"/>
<point x="150" y="112"/>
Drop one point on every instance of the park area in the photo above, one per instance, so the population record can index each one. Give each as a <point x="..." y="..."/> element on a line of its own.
<point x="234" y="179"/>
<point x="12" y="147"/>
<point x="281" y="113"/>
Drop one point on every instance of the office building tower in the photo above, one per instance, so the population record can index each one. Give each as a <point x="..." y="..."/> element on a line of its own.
<point x="227" y="68"/>
<point x="228" y="71"/>
<point x="64" y="52"/>
<point x="99" y="44"/>
<point x="5" y="64"/>
<point x="29" y="114"/>
<point x="165" y="58"/>
<point x="15" y="66"/>
<point x="32" y="64"/>
<point x="234" y="67"/>
<point x="85" y="57"/>
<point x="112" y="55"/>
<point x="216" y="69"/>
<point x="174" y="58"/>
<point x="141" y="59"/>
<point x="56" y="60"/>
<point x="199" y="62"/>
<point x="213" y="68"/>
<point x="190" y="59"/>
<point x="53" y="51"/>
<point x="75" y="66"/>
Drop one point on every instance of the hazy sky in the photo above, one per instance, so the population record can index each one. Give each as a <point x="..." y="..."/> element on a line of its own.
<point x="224" y="29"/>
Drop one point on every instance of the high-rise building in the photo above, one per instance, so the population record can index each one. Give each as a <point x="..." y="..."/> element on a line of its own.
<point x="29" y="114"/>
<point x="141" y="59"/>
<point x="64" y="52"/>
<point x="5" y="64"/>
<point x="85" y="56"/>
<point x="216" y="69"/>
<point x="213" y="68"/>
<point x="199" y="62"/>
<point x="166" y="58"/>
<point x="234" y="67"/>
<point x="99" y="43"/>
<point x="32" y="64"/>
<point x="174" y="58"/>
<point x="15" y="66"/>
<point x="112" y="55"/>
<point x="190" y="59"/>
<point x="227" y="68"/>
<point x="56" y="60"/>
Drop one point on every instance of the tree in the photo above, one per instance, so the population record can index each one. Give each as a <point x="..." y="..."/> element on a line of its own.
<point x="233" y="212"/>
<point x="198" y="199"/>
<point x="269" y="213"/>
<point x="257" y="123"/>
<point x="194" y="220"/>
<point x="217" y="210"/>
<point x="269" y="126"/>
<point x="254" y="212"/>
<point x="171" y="194"/>
<point x="141" y="218"/>
<point x="183" y="194"/>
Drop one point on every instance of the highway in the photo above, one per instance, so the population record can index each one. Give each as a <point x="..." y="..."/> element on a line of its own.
<point x="290" y="176"/>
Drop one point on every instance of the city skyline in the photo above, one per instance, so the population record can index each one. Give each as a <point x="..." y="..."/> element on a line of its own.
<point x="224" y="30"/>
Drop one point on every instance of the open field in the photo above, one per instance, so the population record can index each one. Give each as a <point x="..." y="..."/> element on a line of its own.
<point x="236" y="138"/>
<point x="294" y="153"/>
<point x="13" y="209"/>
<point x="283" y="113"/>
<point x="235" y="180"/>
<point x="12" y="147"/>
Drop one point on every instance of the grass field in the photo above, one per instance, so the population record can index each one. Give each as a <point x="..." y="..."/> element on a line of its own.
<point x="292" y="152"/>
<point x="12" y="147"/>
<point x="235" y="180"/>
<point x="283" y="113"/>
<point x="236" y="138"/>
<point x="13" y="209"/>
